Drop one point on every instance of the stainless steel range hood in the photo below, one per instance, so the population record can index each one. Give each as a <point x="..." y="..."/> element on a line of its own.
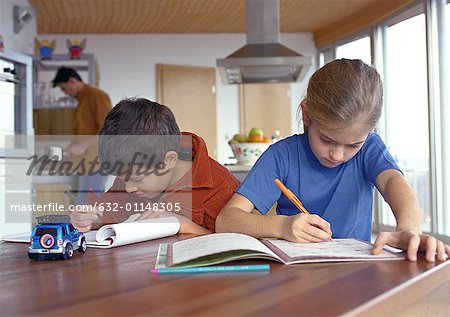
<point x="263" y="59"/>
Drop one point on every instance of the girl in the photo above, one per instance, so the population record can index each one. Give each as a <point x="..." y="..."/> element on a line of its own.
<point x="332" y="168"/>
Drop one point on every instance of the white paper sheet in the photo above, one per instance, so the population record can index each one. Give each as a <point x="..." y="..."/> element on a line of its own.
<point x="114" y="235"/>
<point x="338" y="248"/>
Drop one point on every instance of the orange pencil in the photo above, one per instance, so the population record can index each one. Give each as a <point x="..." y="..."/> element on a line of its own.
<point x="289" y="194"/>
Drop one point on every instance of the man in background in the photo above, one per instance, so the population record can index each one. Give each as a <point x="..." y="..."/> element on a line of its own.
<point x="93" y="106"/>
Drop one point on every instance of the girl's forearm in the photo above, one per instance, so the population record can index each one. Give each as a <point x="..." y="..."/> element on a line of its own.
<point x="233" y="219"/>
<point x="404" y="204"/>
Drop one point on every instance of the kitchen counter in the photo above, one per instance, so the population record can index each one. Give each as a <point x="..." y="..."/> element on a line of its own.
<point x="239" y="168"/>
<point x="239" y="171"/>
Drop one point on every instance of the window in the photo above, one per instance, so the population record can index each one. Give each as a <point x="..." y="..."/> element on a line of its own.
<point x="358" y="49"/>
<point x="406" y="109"/>
<point x="412" y="50"/>
<point x="444" y="216"/>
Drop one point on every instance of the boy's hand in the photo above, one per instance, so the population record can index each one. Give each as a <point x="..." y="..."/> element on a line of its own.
<point x="306" y="228"/>
<point x="412" y="242"/>
<point x="84" y="219"/>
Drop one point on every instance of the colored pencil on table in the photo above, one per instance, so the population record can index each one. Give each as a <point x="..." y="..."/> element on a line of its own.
<point x="290" y="195"/>
<point x="212" y="269"/>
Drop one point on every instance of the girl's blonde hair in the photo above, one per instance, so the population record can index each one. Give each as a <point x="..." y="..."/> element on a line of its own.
<point x="345" y="92"/>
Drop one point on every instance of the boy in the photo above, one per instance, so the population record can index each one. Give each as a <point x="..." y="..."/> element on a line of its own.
<point x="160" y="172"/>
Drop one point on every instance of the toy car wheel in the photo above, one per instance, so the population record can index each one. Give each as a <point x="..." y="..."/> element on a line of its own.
<point x="83" y="246"/>
<point x="68" y="251"/>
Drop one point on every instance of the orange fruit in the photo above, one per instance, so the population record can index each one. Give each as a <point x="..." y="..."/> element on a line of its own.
<point x="257" y="138"/>
<point x="255" y="135"/>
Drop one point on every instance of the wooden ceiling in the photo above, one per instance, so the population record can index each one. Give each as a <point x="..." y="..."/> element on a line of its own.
<point x="192" y="16"/>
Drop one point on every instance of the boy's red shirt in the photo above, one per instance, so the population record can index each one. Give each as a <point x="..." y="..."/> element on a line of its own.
<point x="200" y="194"/>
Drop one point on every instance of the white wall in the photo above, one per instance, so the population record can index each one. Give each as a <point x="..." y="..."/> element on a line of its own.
<point x="20" y="42"/>
<point x="127" y="67"/>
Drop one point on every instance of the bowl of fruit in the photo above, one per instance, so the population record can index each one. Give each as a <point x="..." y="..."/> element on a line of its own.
<point x="248" y="148"/>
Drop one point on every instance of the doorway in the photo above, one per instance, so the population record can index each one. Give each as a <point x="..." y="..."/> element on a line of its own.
<point x="266" y="106"/>
<point x="190" y="93"/>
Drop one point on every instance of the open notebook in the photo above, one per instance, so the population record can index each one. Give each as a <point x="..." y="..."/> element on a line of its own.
<point x="225" y="247"/>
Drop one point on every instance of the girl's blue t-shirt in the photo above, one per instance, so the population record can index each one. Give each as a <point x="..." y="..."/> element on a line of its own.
<point x="342" y="195"/>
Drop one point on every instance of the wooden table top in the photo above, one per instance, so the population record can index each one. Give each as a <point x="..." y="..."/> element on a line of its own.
<point x="117" y="282"/>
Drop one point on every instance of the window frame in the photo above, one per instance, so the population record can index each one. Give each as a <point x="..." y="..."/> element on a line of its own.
<point x="438" y="97"/>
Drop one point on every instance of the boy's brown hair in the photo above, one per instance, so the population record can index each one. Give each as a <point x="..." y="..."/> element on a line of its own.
<point x="137" y="131"/>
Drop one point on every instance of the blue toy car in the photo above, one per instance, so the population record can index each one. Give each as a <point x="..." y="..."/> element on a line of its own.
<point x="55" y="240"/>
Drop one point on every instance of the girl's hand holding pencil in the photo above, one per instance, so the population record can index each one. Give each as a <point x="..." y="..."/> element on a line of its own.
<point x="303" y="227"/>
<point x="306" y="228"/>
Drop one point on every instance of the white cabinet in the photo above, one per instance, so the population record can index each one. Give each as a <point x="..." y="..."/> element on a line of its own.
<point x="15" y="196"/>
